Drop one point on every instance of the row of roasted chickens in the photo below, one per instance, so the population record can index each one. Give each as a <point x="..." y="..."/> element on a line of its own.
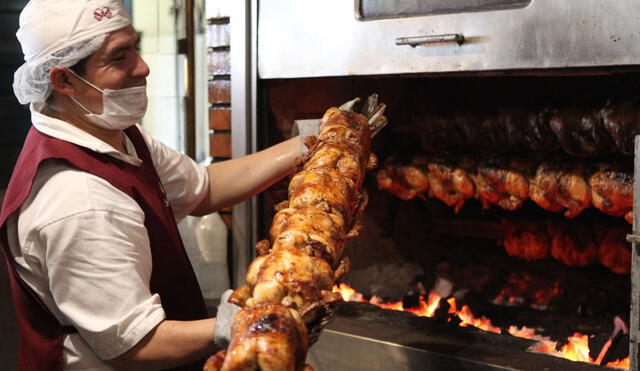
<point x="578" y="131"/>
<point x="557" y="183"/>
<point x="574" y="243"/>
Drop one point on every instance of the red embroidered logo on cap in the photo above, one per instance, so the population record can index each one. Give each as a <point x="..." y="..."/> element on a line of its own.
<point x="101" y="13"/>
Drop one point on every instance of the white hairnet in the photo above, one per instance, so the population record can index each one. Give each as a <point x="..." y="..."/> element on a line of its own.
<point x="60" y="33"/>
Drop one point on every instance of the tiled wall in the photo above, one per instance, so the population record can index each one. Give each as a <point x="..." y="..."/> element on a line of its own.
<point x="219" y="68"/>
<point x="158" y="48"/>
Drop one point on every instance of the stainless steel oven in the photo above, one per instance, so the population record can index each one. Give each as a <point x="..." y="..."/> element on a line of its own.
<point x="292" y="58"/>
<point x="329" y="38"/>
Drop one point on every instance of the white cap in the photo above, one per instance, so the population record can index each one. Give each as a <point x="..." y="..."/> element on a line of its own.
<point x="47" y="26"/>
<point x="60" y="33"/>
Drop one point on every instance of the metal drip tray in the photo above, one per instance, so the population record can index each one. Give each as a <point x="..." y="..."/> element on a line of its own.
<point x="363" y="337"/>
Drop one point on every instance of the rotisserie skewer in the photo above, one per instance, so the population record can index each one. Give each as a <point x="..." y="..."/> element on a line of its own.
<point x="288" y="297"/>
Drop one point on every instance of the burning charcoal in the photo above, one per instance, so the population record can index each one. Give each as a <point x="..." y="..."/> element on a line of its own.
<point x="411" y="300"/>
<point x="388" y="281"/>
<point x="605" y="349"/>
<point x="618" y="351"/>
<point x="442" y="314"/>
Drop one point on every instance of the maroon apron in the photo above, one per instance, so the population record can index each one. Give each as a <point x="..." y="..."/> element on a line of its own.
<point x="172" y="277"/>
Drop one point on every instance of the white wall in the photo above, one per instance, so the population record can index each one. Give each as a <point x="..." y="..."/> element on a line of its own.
<point x="161" y="24"/>
<point x="155" y="20"/>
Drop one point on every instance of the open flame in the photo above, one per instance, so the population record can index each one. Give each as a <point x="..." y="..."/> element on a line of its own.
<point x="576" y="348"/>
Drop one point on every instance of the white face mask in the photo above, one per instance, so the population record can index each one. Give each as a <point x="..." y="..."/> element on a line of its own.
<point x="121" y="108"/>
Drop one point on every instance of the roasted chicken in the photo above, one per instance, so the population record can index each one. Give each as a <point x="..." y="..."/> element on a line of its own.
<point x="527" y="129"/>
<point x="438" y="131"/>
<point x="561" y="184"/>
<point x="265" y="337"/>
<point x="580" y="131"/>
<point x="481" y="131"/>
<point x="526" y="239"/>
<point x="503" y="182"/>
<point x="404" y="179"/>
<point x="622" y="121"/>
<point x="614" y="252"/>
<point x="450" y="181"/>
<point x="288" y="298"/>
<point x="572" y="243"/>
<point x="612" y="188"/>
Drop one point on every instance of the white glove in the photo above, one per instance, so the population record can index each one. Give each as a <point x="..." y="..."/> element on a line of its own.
<point x="305" y="128"/>
<point x="224" y="321"/>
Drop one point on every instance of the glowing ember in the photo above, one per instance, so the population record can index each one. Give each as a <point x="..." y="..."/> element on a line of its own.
<point x="425" y="308"/>
<point x="623" y="363"/>
<point x="576" y="349"/>
<point x="482" y="323"/>
<point x="348" y="294"/>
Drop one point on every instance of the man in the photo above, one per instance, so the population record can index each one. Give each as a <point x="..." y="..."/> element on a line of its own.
<point x="100" y="278"/>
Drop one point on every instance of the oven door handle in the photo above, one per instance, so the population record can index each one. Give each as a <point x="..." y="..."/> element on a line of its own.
<point x="414" y="41"/>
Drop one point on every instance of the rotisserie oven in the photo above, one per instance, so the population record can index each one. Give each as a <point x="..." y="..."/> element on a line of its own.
<point x="496" y="231"/>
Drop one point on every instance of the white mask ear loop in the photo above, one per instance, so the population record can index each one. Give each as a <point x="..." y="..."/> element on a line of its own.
<point x="88" y="83"/>
<point x="84" y="80"/>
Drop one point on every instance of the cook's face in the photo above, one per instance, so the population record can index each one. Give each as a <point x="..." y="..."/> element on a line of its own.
<point x="115" y="65"/>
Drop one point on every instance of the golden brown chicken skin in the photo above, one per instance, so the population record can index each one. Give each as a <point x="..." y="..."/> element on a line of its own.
<point x="288" y="276"/>
<point x="324" y="189"/>
<point x="266" y="337"/>
<point x="450" y="181"/>
<point x="345" y="158"/>
<point x="404" y="180"/>
<point x="501" y="182"/>
<point x="316" y="232"/>
<point x="612" y="189"/>
<point x="561" y="184"/>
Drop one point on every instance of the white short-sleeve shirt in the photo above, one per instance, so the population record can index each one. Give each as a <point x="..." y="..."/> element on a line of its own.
<point x="81" y="245"/>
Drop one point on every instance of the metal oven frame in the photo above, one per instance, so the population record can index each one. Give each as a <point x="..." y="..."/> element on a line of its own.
<point x="547" y="35"/>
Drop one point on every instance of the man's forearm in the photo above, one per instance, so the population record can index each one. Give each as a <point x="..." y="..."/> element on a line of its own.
<point x="239" y="179"/>
<point x="170" y="344"/>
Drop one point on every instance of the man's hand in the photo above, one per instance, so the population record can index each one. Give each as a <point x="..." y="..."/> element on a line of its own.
<point x="224" y="320"/>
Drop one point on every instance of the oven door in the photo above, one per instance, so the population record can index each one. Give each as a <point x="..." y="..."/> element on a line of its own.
<point x="329" y="38"/>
